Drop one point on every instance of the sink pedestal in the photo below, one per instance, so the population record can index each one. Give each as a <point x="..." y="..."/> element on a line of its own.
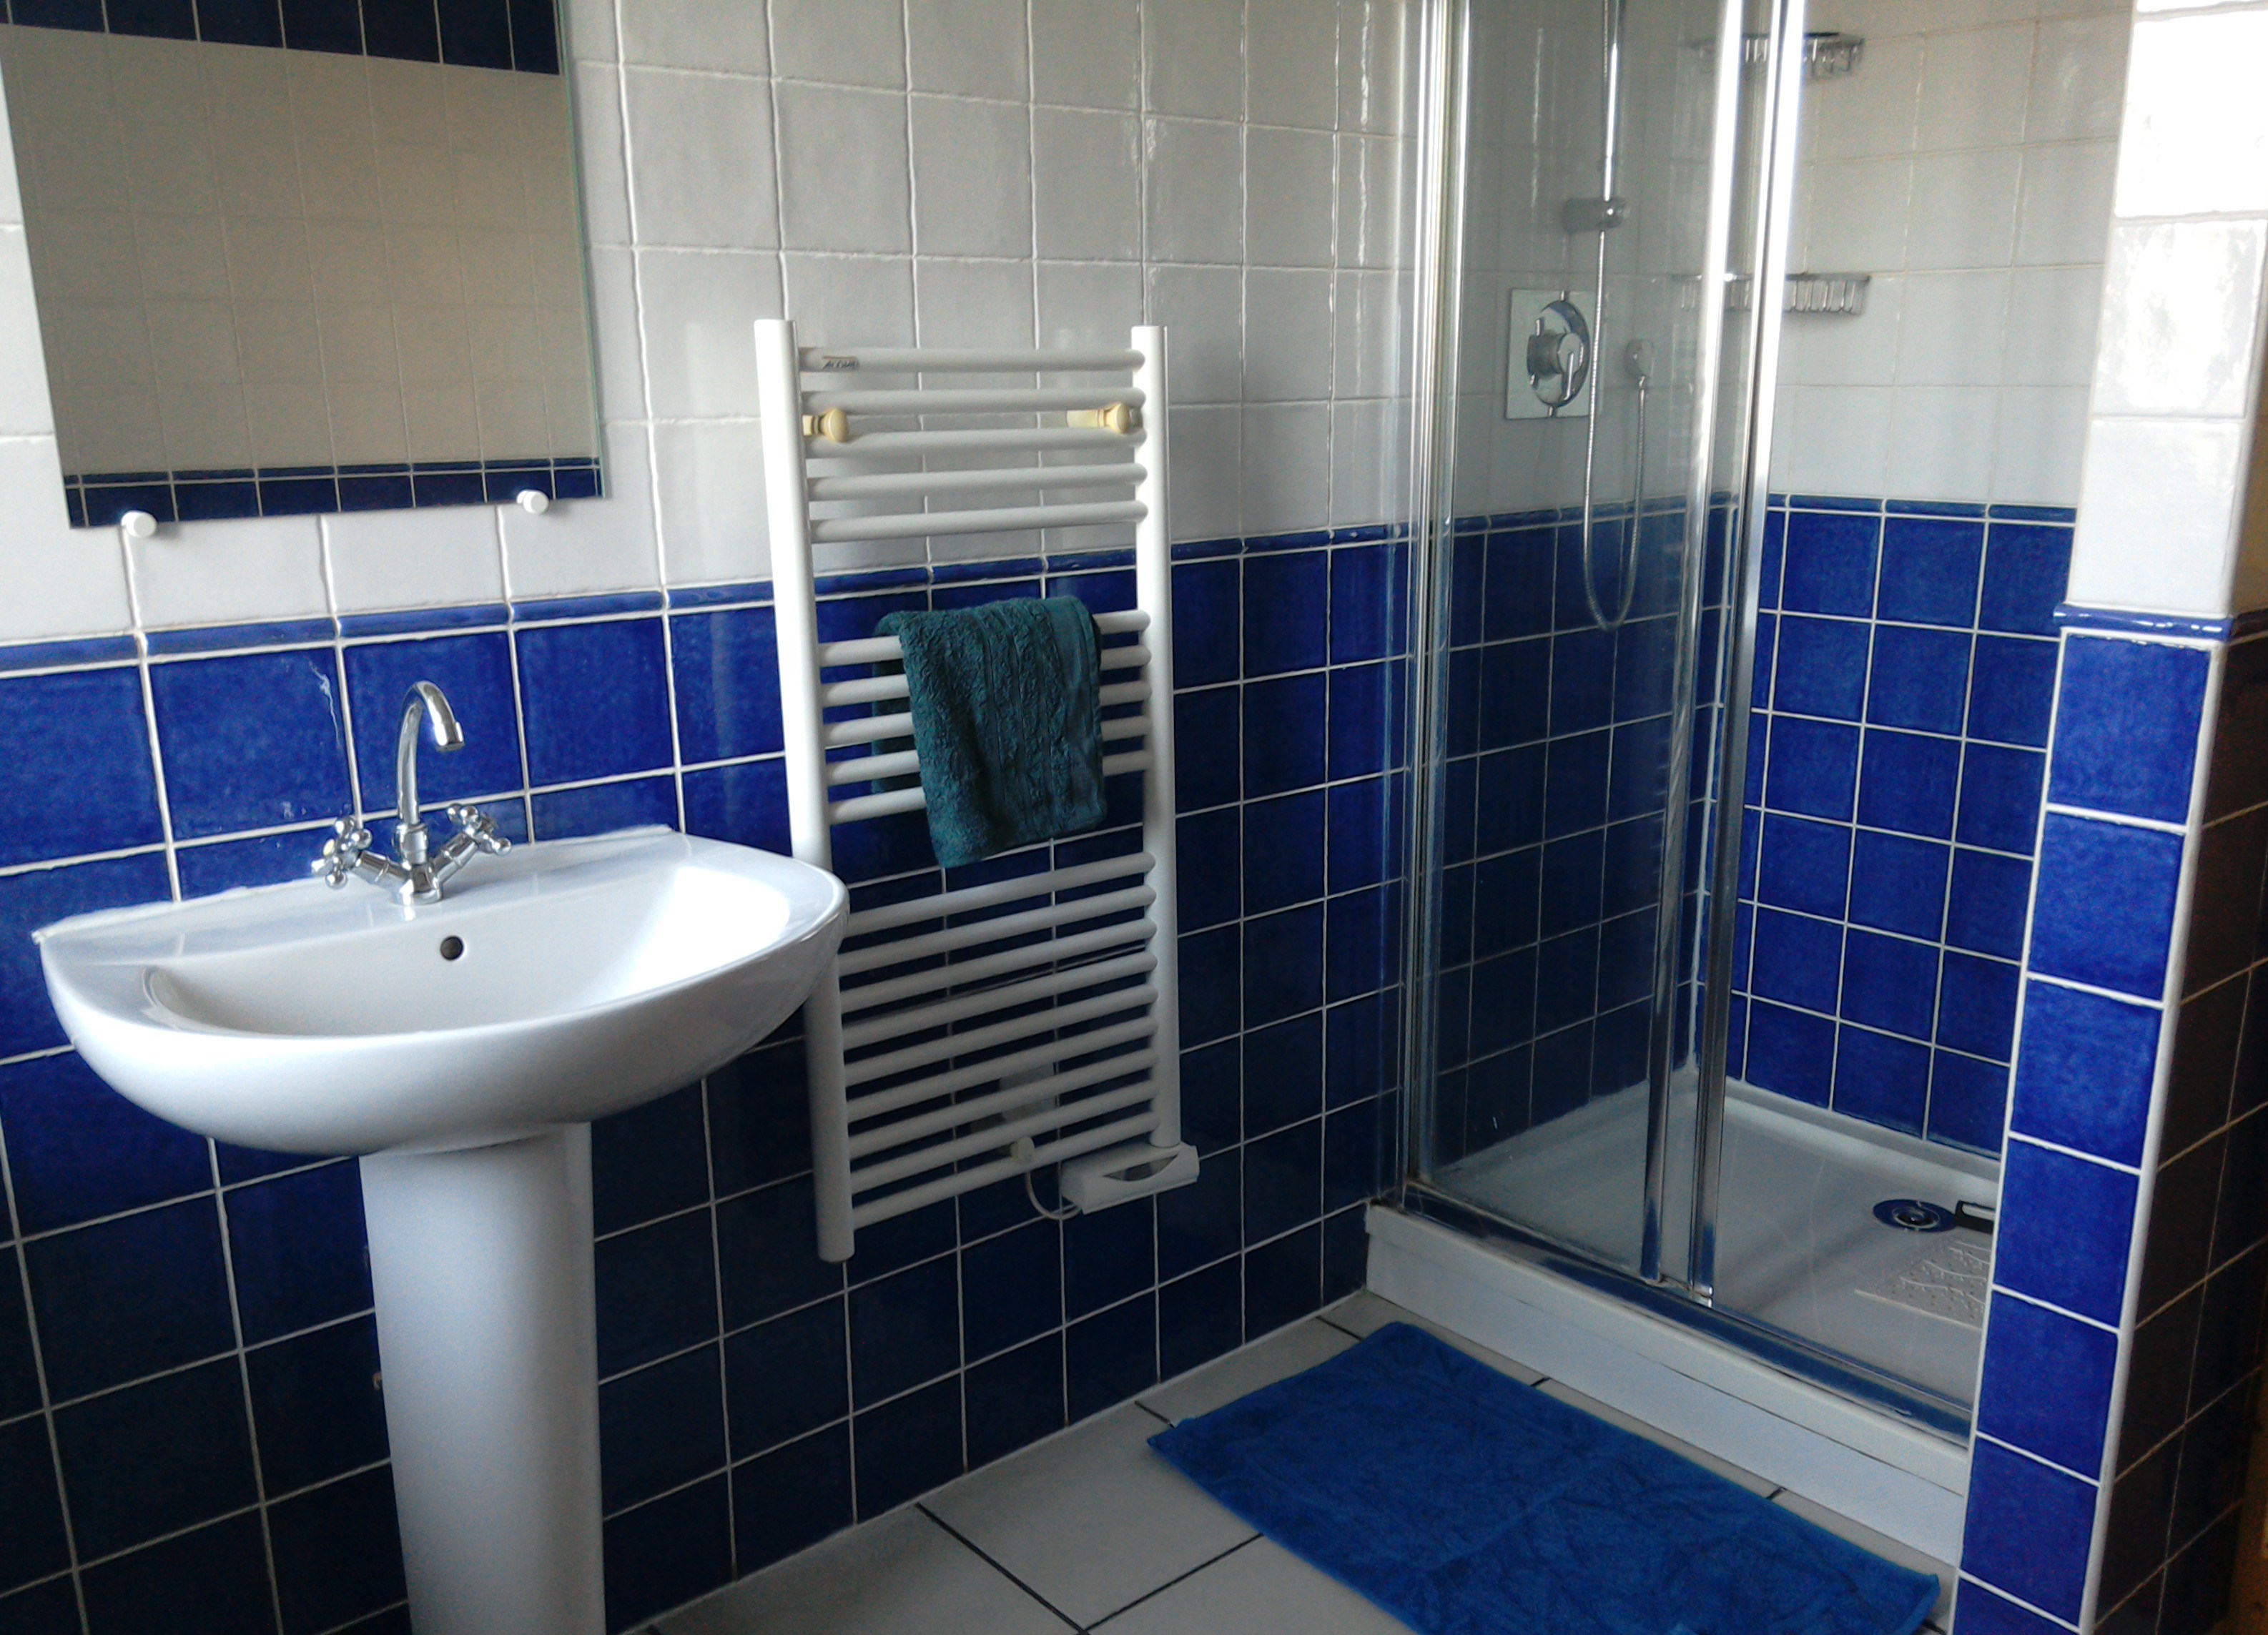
<point x="481" y="1261"/>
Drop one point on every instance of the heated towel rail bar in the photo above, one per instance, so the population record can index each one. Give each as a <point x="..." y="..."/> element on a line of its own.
<point x="983" y="1024"/>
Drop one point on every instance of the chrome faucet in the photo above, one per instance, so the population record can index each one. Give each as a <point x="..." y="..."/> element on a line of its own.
<point x="419" y="873"/>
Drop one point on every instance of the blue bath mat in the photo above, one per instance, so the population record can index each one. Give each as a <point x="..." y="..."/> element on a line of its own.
<point x="1465" y="1503"/>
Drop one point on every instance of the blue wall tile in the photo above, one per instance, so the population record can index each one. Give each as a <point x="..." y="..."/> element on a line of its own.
<point x="32" y="1542"/>
<point x="76" y="777"/>
<point x="1814" y="767"/>
<point x="280" y="758"/>
<point x="1821" y="668"/>
<point x="2025" y="570"/>
<point x="2012" y="690"/>
<point x="1919" y="679"/>
<point x="2000" y="798"/>
<point x="2088" y="1066"/>
<point x="2064" y="1225"/>
<point x="1987" y="903"/>
<point x="2046" y="1384"/>
<point x="791" y="1496"/>
<point x="1888" y="983"/>
<point x="317" y="1402"/>
<point x="212" y="1582"/>
<point x="665" y="1553"/>
<point x="158" y="1456"/>
<point x="2085" y="930"/>
<point x="1898" y="884"/>
<point x="475" y="674"/>
<point x="1830" y="563"/>
<point x="129" y="1296"/>
<point x="601" y="808"/>
<point x="726" y="668"/>
<point x="594" y="699"/>
<point x="2128" y="739"/>
<point x="297" y="1245"/>
<point x="1286" y="617"/>
<point x="1208" y="623"/>
<point x="79" y="1149"/>
<point x="1881" y="1079"/>
<point x="1977" y="1005"/>
<point x="1908" y="784"/>
<point x="1968" y="1101"/>
<point x="1930" y="570"/>
<point x="2028" y="1530"/>
<point x="338" y="1552"/>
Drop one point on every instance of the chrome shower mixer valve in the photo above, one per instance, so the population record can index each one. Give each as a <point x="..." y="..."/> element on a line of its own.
<point x="415" y="873"/>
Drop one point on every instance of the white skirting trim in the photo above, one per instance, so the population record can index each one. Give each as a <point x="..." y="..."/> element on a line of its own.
<point x="1859" y="1462"/>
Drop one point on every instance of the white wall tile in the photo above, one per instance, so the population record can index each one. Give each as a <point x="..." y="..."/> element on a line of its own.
<point x="830" y="200"/>
<point x="971" y="47"/>
<point x="1293" y="73"/>
<point x="2156" y="509"/>
<point x="619" y="364"/>
<point x="1965" y="101"/>
<point x="974" y="302"/>
<point x="701" y="151"/>
<point x="1193" y="51"/>
<point x="1941" y="442"/>
<point x="2179" y="336"/>
<point x="1086" y="53"/>
<point x="1868" y="114"/>
<point x="1087" y="182"/>
<point x="1954" y="330"/>
<point x="721" y="39"/>
<point x="1374" y="181"/>
<point x="1824" y="349"/>
<point x="972" y="178"/>
<point x="1203" y="309"/>
<point x="1852" y="214"/>
<point x="24" y="406"/>
<point x="229" y="572"/>
<point x="847" y="42"/>
<point x="1287" y="468"/>
<point x="1208" y="474"/>
<point x="1378" y="82"/>
<point x="1083" y="303"/>
<point x="711" y="498"/>
<point x="2063" y="210"/>
<point x="2196" y="134"/>
<point x="1288" y="196"/>
<point x="699" y="309"/>
<point x="1288" y="335"/>
<point x="62" y="581"/>
<point x="1364" y="462"/>
<point x="851" y="300"/>
<point x="2079" y="79"/>
<point x="589" y="31"/>
<point x="379" y="560"/>
<point x="589" y="547"/>
<point x="1366" y="353"/>
<point x="2051" y="322"/>
<point x="1965" y="211"/>
<point x="1194" y="177"/>
<point x="2036" y="451"/>
<point x="1832" y="441"/>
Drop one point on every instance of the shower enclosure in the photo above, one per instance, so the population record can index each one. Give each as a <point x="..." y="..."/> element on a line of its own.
<point x="1612" y="232"/>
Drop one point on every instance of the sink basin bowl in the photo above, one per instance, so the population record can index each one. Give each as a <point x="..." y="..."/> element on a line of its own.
<point x="557" y="983"/>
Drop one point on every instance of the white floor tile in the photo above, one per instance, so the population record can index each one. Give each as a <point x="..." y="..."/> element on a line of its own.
<point x="1091" y="1520"/>
<point x="1281" y="1355"/>
<point x="1708" y="1462"/>
<point x="898" y="1574"/>
<point x="1261" y="1589"/>
<point x="1366" y="1314"/>
<point x="1866" y="1538"/>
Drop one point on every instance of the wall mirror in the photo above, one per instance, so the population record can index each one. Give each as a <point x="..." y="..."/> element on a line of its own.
<point x="302" y="255"/>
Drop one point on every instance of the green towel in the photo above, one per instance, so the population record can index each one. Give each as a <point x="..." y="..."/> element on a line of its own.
<point x="1007" y="719"/>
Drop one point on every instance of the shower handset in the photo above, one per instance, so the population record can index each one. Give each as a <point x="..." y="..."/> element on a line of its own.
<point x="1637" y="363"/>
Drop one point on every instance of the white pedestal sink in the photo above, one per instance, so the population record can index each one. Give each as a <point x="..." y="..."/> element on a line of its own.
<point x="462" y="1049"/>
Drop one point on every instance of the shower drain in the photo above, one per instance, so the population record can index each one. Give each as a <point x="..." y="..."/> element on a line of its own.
<point x="1913" y="1215"/>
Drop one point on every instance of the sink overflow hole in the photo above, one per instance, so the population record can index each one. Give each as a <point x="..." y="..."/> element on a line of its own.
<point x="451" y="946"/>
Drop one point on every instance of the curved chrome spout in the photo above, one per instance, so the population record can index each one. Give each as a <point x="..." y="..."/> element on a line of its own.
<point x="423" y="700"/>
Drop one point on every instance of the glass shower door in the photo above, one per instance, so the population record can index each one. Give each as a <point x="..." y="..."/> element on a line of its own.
<point x="1603" y="379"/>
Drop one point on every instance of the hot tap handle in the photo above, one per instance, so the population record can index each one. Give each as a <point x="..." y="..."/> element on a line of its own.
<point x="478" y="827"/>
<point x="341" y="853"/>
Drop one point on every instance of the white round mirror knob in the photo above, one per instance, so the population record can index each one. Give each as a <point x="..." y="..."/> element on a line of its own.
<point x="535" y="502"/>
<point x="137" y="524"/>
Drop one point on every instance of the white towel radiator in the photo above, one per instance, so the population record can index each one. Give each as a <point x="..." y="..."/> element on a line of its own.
<point x="976" y="1032"/>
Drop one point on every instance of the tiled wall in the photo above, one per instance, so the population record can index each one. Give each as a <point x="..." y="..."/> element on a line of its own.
<point x="251" y="259"/>
<point x="1905" y="672"/>
<point x="190" y="1427"/>
<point x="2130" y="1216"/>
<point x="1029" y="172"/>
<point x="1966" y="165"/>
<point x="1551" y="827"/>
